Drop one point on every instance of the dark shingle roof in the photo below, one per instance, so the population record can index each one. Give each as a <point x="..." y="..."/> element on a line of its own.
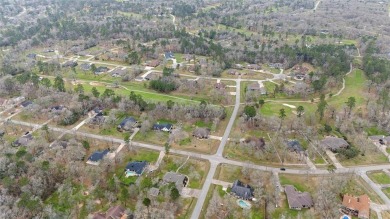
<point x="294" y="145"/>
<point x="126" y="120"/>
<point x="162" y="126"/>
<point x="137" y="166"/>
<point x="241" y="190"/>
<point x="98" y="155"/>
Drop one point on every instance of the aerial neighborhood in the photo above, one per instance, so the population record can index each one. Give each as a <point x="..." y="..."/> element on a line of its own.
<point x="194" y="109"/>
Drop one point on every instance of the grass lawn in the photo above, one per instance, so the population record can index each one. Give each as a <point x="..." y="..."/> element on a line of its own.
<point x="370" y="157"/>
<point x="387" y="192"/>
<point x="354" y="87"/>
<point x="375" y="131"/>
<point x="135" y="155"/>
<point x="379" y="177"/>
<point x="358" y="186"/>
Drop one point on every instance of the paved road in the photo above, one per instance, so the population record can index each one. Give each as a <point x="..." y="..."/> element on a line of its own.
<point x="219" y="154"/>
<point x="316" y="6"/>
<point x="375" y="187"/>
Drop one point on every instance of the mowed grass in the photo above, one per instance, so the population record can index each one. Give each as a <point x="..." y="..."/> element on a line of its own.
<point x="379" y="177"/>
<point x="387" y="192"/>
<point x="354" y="87"/>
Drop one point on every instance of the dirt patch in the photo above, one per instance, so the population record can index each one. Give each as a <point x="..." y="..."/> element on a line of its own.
<point x="96" y="84"/>
<point x="77" y="82"/>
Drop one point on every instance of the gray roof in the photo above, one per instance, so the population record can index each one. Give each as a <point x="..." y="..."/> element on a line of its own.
<point x="241" y="190"/>
<point x="180" y="180"/>
<point x="298" y="199"/>
<point x="294" y="145"/>
<point x="376" y="137"/>
<point x="201" y="133"/>
<point x="333" y="143"/>
<point x="153" y="192"/>
<point x="24" y="140"/>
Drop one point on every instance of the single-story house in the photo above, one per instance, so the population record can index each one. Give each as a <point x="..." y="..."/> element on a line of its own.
<point x="115" y="212"/>
<point x="23" y="141"/>
<point x="97" y="119"/>
<point x="169" y="55"/>
<point x="85" y="66"/>
<point x="380" y="139"/>
<point x="298" y="200"/>
<point x="201" y="133"/>
<point x="128" y="124"/>
<point x="136" y="168"/>
<point x="118" y="72"/>
<point x="233" y="72"/>
<point x="26" y="103"/>
<point x="101" y="69"/>
<point x="57" y="109"/>
<point x="154" y="192"/>
<point x="220" y="86"/>
<point x="32" y="56"/>
<point x="153" y="63"/>
<point x="334" y="144"/>
<point x="357" y="206"/>
<point x="276" y="65"/>
<point x="180" y="180"/>
<point x="98" y="156"/>
<point x="253" y="67"/>
<point x="294" y="146"/>
<point x="69" y="63"/>
<point x="255" y="142"/>
<point x="238" y="66"/>
<point x="166" y="127"/>
<point x="255" y="86"/>
<point x="242" y="190"/>
<point x="151" y="76"/>
<point x="188" y="57"/>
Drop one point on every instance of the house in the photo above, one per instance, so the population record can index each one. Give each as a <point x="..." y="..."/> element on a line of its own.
<point x="32" y="56"/>
<point x="233" y="72"/>
<point x="153" y="63"/>
<point x="298" y="200"/>
<point x="334" y="144"/>
<point x="380" y="139"/>
<point x="178" y="179"/>
<point x="26" y="103"/>
<point x="136" y="168"/>
<point x="256" y="143"/>
<point x="169" y="55"/>
<point x="69" y="63"/>
<point x="242" y="190"/>
<point x="100" y="70"/>
<point x="256" y="87"/>
<point x="166" y="127"/>
<point x="151" y="76"/>
<point x="57" y="109"/>
<point x="154" y="192"/>
<point x="128" y="124"/>
<point x="238" y="66"/>
<point x="118" y="72"/>
<point x="23" y="141"/>
<point x="253" y="67"/>
<point x="276" y="65"/>
<point x="357" y="206"/>
<point x="97" y="119"/>
<point x="85" y="66"/>
<point x="201" y="133"/>
<point x="188" y="57"/>
<point x="115" y="212"/>
<point x="220" y="86"/>
<point x="294" y="146"/>
<point x="98" y="156"/>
